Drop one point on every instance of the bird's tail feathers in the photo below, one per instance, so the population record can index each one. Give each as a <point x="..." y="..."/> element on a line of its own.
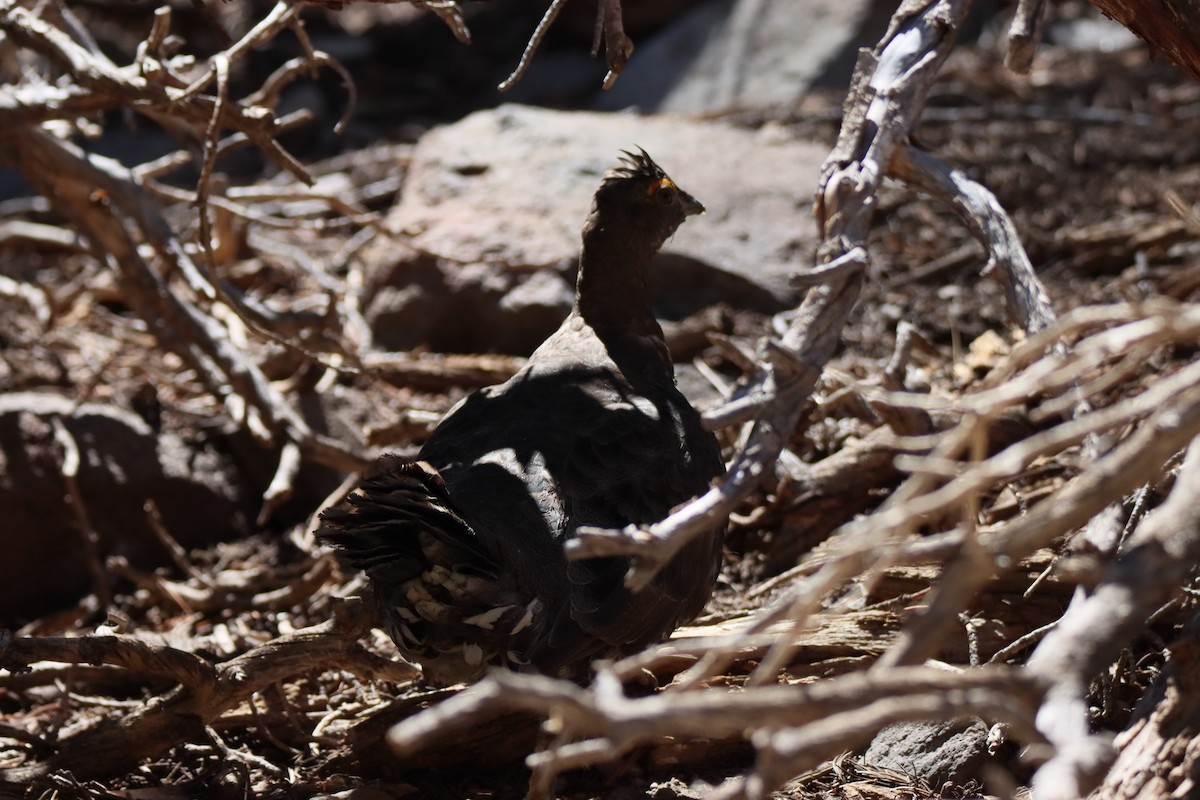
<point x="398" y="512"/>
<point x="445" y="601"/>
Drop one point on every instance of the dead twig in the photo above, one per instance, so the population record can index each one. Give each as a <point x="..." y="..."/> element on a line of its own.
<point x="610" y="30"/>
<point x="1024" y="35"/>
<point x="437" y="371"/>
<point x="35" y="299"/>
<point x="534" y="41"/>
<point x="88" y="537"/>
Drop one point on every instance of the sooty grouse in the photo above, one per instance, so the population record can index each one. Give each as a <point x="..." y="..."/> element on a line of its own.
<point x="464" y="546"/>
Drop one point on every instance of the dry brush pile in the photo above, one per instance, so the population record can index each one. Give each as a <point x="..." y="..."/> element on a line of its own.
<point x="1025" y="531"/>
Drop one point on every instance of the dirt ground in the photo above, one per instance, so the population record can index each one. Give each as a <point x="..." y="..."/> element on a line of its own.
<point x="1095" y="155"/>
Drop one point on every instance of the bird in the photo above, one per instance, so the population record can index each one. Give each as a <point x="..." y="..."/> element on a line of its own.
<point x="464" y="545"/>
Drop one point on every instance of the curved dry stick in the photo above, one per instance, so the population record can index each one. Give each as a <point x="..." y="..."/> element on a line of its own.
<point x="268" y="94"/>
<point x="982" y="213"/>
<point x="138" y="656"/>
<point x="448" y="11"/>
<point x="531" y="47"/>
<point x="617" y="48"/>
<point x="89" y="539"/>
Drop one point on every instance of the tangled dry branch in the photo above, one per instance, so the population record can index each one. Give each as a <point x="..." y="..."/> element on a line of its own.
<point x="116" y="210"/>
<point x="200" y="694"/>
<point x="1061" y="380"/>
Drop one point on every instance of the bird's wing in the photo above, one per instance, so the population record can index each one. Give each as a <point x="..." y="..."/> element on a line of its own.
<point x="531" y="461"/>
<point x="632" y="465"/>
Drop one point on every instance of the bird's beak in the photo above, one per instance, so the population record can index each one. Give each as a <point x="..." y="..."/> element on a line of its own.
<point x="690" y="204"/>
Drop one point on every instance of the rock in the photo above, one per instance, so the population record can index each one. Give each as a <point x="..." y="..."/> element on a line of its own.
<point x="937" y="752"/>
<point x="673" y="789"/>
<point x="123" y="463"/>
<point x="366" y="793"/>
<point x="487" y="227"/>
<point x="744" y="54"/>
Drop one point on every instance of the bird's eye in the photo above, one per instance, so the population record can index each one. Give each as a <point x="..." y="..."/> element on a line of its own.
<point x="665" y="192"/>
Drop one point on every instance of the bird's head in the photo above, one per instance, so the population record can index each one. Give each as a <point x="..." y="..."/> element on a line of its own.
<point x="640" y="196"/>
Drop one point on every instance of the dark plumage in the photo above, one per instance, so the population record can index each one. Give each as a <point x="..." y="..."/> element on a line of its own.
<point x="465" y="546"/>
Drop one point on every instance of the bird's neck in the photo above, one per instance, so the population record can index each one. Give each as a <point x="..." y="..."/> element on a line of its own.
<point x="611" y="293"/>
<point x="613" y="299"/>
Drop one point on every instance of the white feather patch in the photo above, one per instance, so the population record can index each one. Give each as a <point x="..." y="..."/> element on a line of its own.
<point x="526" y="620"/>
<point x="488" y="618"/>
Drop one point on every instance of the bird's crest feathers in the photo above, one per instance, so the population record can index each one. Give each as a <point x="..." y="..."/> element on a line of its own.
<point x="635" y="165"/>
<point x="640" y="166"/>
